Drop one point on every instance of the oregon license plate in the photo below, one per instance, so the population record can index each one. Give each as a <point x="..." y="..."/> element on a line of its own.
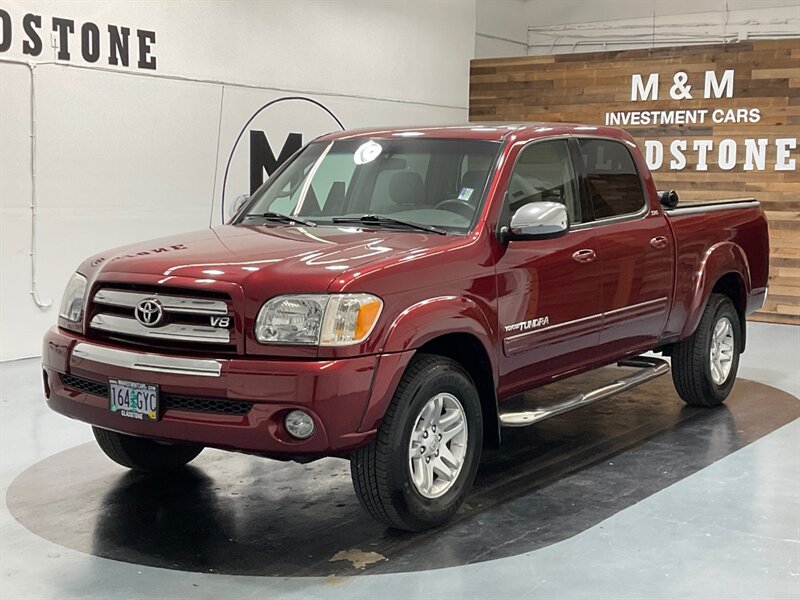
<point x="133" y="400"/>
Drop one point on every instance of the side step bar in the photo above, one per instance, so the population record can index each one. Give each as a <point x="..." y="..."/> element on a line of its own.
<point x="649" y="368"/>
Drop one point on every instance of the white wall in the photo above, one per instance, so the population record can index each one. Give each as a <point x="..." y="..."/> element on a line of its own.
<point x="124" y="155"/>
<point x="563" y="26"/>
<point x="501" y="28"/>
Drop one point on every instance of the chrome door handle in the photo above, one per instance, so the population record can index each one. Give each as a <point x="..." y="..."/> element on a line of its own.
<point x="584" y="256"/>
<point x="659" y="242"/>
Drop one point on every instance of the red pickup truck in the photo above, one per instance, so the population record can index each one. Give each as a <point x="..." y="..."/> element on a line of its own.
<point x="386" y="291"/>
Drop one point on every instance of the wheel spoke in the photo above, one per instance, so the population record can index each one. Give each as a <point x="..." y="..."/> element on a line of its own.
<point x="426" y="416"/>
<point x="438" y="401"/>
<point x="447" y="457"/>
<point x="449" y="433"/>
<point x="715" y="371"/>
<point x="440" y="468"/>
<point x="418" y="472"/>
<point x="448" y="418"/>
<point x="413" y="449"/>
<point x="427" y="467"/>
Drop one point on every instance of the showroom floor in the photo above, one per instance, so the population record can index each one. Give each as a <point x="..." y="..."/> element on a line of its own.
<point x="637" y="497"/>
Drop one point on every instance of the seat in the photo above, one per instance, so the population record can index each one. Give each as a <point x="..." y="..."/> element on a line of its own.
<point x="407" y="189"/>
<point x="334" y="203"/>
<point x="473" y="180"/>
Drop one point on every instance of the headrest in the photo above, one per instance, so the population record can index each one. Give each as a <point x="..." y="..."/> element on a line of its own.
<point x="407" y="188"/>
<point x="473" y="179"/>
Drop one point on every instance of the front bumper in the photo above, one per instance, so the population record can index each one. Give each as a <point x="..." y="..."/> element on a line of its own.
<point x="338" y="394"/>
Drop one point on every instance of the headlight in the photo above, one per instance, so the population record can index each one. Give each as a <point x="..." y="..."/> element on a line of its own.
<point x="318" y="319"/>
<point x="71" y="312"/>
<point x="349" y="319"/>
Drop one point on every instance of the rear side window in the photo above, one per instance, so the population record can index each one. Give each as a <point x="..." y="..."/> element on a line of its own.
<point x="614" y="185"/>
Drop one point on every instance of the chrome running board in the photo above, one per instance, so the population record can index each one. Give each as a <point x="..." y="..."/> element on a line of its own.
<point x="649" y="368"/>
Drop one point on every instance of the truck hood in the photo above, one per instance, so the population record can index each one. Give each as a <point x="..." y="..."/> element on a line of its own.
<point x="305" y="258"/>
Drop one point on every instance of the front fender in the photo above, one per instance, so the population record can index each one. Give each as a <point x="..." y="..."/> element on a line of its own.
<point x="434" y="317"/>
<point x="719" y="260"/>
<point x="417" y="325"/>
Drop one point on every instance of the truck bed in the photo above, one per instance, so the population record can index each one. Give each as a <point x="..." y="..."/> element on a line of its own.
<point x="700" y="228"/>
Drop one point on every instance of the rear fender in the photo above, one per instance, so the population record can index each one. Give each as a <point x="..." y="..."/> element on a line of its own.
<point x="719" y="260"/>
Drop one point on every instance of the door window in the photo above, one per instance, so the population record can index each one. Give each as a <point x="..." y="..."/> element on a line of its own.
<point x="613" y="181"/>
<point x="543" y="173"/>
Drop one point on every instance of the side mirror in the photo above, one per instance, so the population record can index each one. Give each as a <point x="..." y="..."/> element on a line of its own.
<point x="669" y="198"/>
<point x="233" y="209"/>
<point x="536" y="221"/>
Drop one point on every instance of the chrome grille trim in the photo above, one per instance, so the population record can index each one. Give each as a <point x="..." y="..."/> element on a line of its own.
<point x="172" y="331"/>
<point x="171" y="304"/>
<point x="144" y="362"/>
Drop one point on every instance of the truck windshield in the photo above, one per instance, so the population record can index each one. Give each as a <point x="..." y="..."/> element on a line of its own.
<point x="408" y="182"/>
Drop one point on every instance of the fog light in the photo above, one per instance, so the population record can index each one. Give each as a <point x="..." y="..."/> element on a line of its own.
<point x="299" y="424"/>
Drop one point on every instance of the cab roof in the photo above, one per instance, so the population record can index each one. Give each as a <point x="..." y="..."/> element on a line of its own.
<point x="489" y="131"/>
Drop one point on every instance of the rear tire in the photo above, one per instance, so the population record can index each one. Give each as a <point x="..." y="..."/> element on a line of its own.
<point x="704" y="366"/>
<point x="417" y="471"/>
<point x="142" y="454"/>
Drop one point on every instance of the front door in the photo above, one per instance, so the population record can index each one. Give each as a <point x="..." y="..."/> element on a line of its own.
<point x="549" y="304"/>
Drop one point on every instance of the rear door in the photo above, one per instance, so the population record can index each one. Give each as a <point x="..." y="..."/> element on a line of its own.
<point x="635" y="248"/>
<point x="549" y="290"/>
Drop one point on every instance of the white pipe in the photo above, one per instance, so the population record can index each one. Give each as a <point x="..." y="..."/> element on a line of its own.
<point x="499" y="38"/>
<point x="216" y="156"/>
<point x="610" y="25"/>
<point x="227" y="83"/>
<point x="644" y="40"/>
<point x="42" y="304"/>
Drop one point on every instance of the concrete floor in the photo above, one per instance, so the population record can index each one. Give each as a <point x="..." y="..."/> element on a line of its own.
<point x="728" y="530"/>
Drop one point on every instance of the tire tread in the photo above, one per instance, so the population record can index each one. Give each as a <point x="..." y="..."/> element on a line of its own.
<point x="370" y="465"/>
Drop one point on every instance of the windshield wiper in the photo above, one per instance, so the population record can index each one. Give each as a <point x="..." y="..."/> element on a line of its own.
<point x="380" y="220"/>
<point x="280" y="217"/>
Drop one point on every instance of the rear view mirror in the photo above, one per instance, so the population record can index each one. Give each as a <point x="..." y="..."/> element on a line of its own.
<point x="233" y="209"/>
<point x="537" y="220"/>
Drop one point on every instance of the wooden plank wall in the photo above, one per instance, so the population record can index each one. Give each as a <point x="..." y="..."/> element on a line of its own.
<point x="583" y="88"/>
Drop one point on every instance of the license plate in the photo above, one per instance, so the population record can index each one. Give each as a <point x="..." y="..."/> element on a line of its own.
<point x="133" y="400"/>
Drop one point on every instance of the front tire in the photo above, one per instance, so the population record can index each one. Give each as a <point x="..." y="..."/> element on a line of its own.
<point x="704" y="366"/>
<point x="417" y="471"/>
<point x="142" y="454"/>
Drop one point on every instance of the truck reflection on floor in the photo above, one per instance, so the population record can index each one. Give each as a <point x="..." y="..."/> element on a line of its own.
<point x="178" y="517"/>
<point x="245" y="515"/>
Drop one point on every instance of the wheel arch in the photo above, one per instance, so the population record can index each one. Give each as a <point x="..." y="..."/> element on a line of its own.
<point x="468" y="351"/>
<point x="723" y="270"/>
<point x="455" y="327"/>
<point x="732" y="285"/>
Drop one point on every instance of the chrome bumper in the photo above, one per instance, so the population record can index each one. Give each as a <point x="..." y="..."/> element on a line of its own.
<point x="155" y="363"/>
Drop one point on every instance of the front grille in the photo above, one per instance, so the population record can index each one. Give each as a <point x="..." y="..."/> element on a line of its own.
<point x="207" y="405"/>
<point x="182" y="320"/>
<point x="87" y="386"/>
<point x="219" y="406"/>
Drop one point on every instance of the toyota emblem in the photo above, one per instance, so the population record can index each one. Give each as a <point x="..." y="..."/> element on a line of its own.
<point x="149" y="312"/>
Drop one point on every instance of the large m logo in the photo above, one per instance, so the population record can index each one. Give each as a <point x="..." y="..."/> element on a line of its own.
<point x="262" y="158"/>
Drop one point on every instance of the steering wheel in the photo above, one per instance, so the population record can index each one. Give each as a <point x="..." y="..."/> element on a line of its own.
<point x="460" y="207"/>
